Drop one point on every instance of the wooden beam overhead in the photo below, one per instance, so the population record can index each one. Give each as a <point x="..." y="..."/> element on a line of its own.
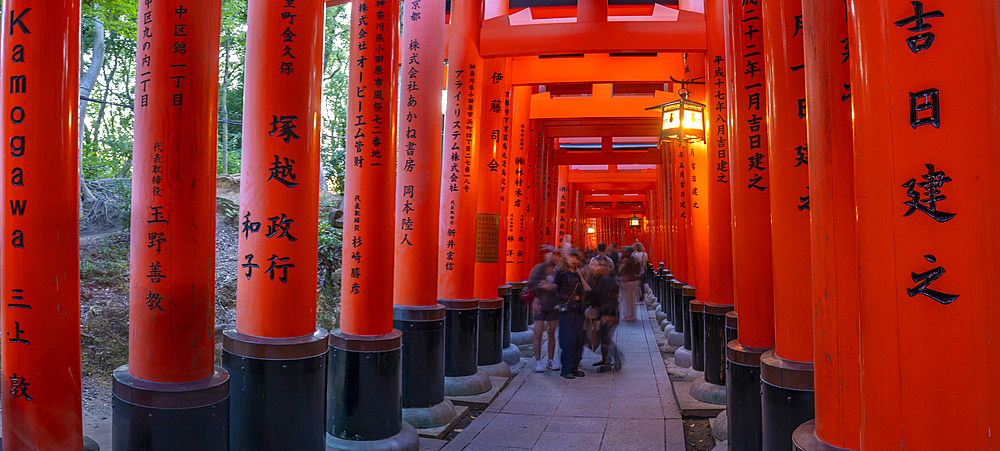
<point x="500" y="39"/>
<point x="598" y="68"/>
<point x="601" y="127"/>
<point x="592" y="158"/>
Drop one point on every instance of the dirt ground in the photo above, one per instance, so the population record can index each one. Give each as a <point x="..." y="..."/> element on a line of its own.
<point x="104" y="263"/>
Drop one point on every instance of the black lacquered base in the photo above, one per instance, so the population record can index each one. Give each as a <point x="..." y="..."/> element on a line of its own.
<point x="804" y="439"/>
<point x="518" y="308"/>
<point x="786" y="399"/>
<point x="687" y="295"/>
<point x="743" y="405"/>
<point x="505" y="293"/>
<point x="676" y="299"/>
<point x="88" y="444"/>
<point x="490" y="332"/>
<point x="278" y="391"/>
<point x="732" y="331"/>
<point x="715" y="343"/>
<point x="422" y="341"/>
<point x="364" y="386"/>
<point x="461" y="337"/>
<point x="697" y="310"/>
<point x="151" y="416"/>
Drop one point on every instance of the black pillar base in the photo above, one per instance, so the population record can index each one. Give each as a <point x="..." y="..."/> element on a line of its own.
<point x="422" y="354"/>
<point x="490" y="332"/>
<point x="687" y="295"/>
<point x="697" y="335"/>
<point x="406" y="440"/>
<point x="505" y="293"/>
<point x="786" y="399"/>
<point x="804" y="439"/>
<point x="715" y="343"/>
<point x="743" y="397"/>
<point x="88" y="444"/>
<point x="152" y="416"/>
<point x="732" y="331"/>
<point x="461" y="336"/>
<point x="278" y="391"/>
<point x="676" y="299"/>
<point x="518" y="308"/>
<point x="364" y="393"/>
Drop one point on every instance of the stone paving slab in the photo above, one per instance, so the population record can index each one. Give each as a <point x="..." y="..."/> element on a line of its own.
<point x="634" y="409"/>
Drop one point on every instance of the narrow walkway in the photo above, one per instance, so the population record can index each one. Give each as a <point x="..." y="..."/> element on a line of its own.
<point x="634" y="409"/>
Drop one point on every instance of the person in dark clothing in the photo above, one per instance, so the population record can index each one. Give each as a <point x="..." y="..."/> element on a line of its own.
<point x="570" y="297"/>
<point x="603" y="296"/>
<point x="629" y="275"/>
<point x="613" y="255"/>
<point x="543" y="283"/>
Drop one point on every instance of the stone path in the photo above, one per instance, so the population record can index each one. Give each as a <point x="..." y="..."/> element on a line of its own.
<point x="634" y="409"/>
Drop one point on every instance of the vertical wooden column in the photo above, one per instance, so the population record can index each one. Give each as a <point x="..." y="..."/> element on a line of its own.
<point x="364" y="377"/>
<point x="416" y="312"/>
<point x="562" y="213"/>
<point x="749" y="182"/>
<point x="521" y="188"/>
<point x="40" y="273"/>
<point x="534" y="180"/>
<point x="488" y="176"/>
<point x="836" y="298"/>
<point x="507" y="291"/>
<point x="786" y="371"/>
<point x="170" y="384"/>
<point x="717" y="190"/>
<point x="926" y="112"/>
<point x="459" y="184"/>
<point x="276" y="281"/>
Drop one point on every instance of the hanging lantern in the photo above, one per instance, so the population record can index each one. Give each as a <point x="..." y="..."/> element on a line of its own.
<point x="683" y="119"/>
<point x="591" y="230"/>
<point x="633" y="221"/>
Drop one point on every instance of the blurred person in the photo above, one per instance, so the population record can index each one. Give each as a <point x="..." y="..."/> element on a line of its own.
<point x="602" y="254"/>
<point x="543" y="283"/>
<point x="572" y="286"/>
<point x="629" y="278"/>
<point x="603" y="296"/>
<point x="615" y="258"/>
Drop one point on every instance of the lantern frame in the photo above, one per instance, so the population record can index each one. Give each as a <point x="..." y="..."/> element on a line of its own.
<point x="682" y="119"/>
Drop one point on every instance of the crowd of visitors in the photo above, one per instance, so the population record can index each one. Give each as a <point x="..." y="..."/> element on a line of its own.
<point x="583" y="296"/>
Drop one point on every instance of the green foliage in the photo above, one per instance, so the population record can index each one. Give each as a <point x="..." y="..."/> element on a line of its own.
<point x="106" y="264"/>
<point x="330" y="246"/>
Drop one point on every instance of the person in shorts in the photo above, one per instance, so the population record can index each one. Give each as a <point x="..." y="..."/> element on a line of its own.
<point x="543" y="283"/>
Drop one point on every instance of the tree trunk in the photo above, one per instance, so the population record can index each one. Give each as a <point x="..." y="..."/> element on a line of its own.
<point x="94" y="131"/>
<point x="86" y="86"/>
<point x="225" y="116"/>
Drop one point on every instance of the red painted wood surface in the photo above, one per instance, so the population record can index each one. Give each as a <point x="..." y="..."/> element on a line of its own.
<point x="418" y="164"/>
<point x="172" y="255"/>
<point x="366" y="295"/>
<point x="39" y="276"/>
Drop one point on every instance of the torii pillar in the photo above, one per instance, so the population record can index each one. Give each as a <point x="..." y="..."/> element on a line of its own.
<point x="170" y="395"/>
<point x="364" y="378"/>
<point x="563" y="204"/>
<point x="276" y="340"/>
<point x="679" y="189"/>
<point x="520" y="198"/>
<point x="487" y="287"/>
<point x="720" y="241"/>
<point x="836" y="296"/>
<point x="926" y="113"/>
<point x="749" y="182"/>
<point x="786" y="371"/>
<point x="40" y="273"/>
<point x="416" y="312"/>
<point x="457" y="244"/>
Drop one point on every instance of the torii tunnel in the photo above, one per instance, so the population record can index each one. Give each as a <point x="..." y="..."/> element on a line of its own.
<point x="815" y="220"/>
